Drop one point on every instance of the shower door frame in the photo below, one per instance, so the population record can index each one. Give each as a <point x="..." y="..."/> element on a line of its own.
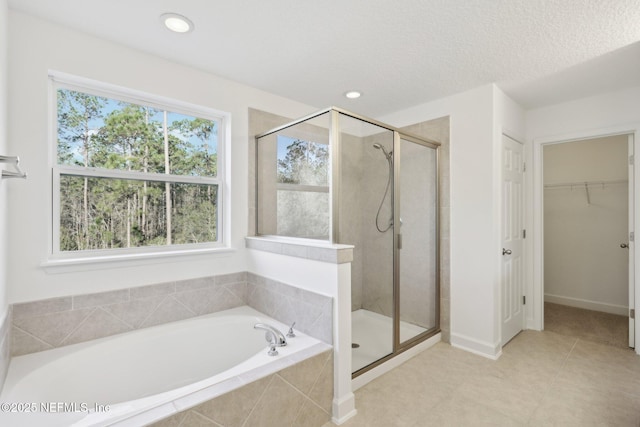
<point x="398" y="346"/>
<point x="335" y="187"/>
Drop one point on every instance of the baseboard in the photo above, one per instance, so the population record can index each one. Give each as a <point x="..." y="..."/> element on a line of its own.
<point x="472" y="345"/>
<point x="588" y="305"/>
<point x="344" y="409"/>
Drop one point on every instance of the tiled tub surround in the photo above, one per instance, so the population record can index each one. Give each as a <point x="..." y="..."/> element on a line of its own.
<point x="170" y="368"/>
<point x="299" y="395"/>
<point x="5" y="346"/>
<point x="55" y="322"/>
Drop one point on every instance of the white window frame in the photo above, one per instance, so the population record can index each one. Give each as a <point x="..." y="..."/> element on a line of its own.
<point x="57" y="257"/>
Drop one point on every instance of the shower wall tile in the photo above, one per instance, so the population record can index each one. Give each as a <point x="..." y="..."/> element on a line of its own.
<point x="41" y="325"/>
<point x="299" y="395"/>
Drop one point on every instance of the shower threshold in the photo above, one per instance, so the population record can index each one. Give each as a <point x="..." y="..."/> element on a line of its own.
<point x="373" y="334"/>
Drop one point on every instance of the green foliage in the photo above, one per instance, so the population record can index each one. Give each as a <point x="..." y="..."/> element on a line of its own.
<point x="305" y="163"/>
<point x="107" y="213"/>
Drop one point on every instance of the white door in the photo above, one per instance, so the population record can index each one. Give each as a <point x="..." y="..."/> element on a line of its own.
<point x="512" y="238"/>
<point x="631" y="246"/>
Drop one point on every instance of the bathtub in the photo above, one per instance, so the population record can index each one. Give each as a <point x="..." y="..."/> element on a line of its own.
<point x="145" y="375"/>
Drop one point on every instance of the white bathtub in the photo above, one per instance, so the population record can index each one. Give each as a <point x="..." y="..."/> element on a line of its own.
<point x="145" y="375"/>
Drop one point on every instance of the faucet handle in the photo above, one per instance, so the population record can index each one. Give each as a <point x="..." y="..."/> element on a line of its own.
<point x="272" y="350"/>
<point x="291" y="334"/>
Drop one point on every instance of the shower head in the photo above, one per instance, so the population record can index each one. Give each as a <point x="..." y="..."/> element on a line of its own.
<point x="380" y="147"/>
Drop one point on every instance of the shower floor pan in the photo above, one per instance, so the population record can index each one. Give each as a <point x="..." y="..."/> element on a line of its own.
<point x="373" y="333"/>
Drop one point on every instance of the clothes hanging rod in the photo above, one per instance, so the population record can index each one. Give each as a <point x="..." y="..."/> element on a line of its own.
<point x="581" y="184"/>
<point x="13" y="160"/>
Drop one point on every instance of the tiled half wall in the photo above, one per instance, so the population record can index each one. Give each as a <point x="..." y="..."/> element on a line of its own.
<point x="55" y="322"/>
<point x="300" y="395"/>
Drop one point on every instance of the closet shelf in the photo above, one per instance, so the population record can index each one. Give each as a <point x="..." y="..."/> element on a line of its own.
<point x="582" y="184"/>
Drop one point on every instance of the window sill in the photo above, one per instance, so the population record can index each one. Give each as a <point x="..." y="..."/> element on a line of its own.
<point x="69" y="265"/>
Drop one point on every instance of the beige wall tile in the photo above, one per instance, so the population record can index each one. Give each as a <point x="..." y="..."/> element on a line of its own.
<point x="103" y="298"/>
<point x="23" y="343"/>
<point x="136" y="311"/>
<point x="169" y="310"/>
<point x="304" y="375"/>
<point x="99" y="324"/>
<point x="322" y="391"/>
<point x="37" y="308"/>
<point x="193" y="284"/>
<point x="172" y="421"/>
<point x="233" y="408"/>
<point x="53" y="328"/>
<point x="278" y="406"/>
<point x="153" y="290"/>
<point x="311" y="415"/>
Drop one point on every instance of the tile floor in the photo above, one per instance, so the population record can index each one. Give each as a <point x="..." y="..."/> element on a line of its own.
<point x="541" y="379"/>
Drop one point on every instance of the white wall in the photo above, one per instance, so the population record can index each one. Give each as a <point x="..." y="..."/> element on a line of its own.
<point x="37" y="46"/>
<point x="584" y="265"/>
<point x="605" y="114"/>
<point x="478" y="117"/>
<point x="3" y="151"/>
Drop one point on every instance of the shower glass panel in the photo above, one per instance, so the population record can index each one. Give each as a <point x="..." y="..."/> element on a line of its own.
<point x="418" y="226"/>
<point x="293" y="181"/>
<point x="365" y="221"/>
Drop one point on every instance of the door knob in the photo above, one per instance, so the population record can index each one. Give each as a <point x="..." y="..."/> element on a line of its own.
<point x="506" y="251"/>
<point x="624" y="245"/>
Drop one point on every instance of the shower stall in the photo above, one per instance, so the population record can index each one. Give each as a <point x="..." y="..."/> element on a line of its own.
<point x="346" y="179"/>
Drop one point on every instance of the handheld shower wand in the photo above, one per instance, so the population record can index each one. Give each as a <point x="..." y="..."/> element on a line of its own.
<point x="389" y="156"/>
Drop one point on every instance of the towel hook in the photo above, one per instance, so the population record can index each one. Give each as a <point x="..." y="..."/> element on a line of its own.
<point x="15" y="160"/>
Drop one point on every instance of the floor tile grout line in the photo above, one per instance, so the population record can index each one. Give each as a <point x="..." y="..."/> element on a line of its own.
<point x="552" y="383"/>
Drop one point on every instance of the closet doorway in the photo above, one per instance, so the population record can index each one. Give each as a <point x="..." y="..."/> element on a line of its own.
<point x="588" y="187"/>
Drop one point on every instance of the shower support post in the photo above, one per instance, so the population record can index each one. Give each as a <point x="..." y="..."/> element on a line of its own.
<point x="334" y="166"/>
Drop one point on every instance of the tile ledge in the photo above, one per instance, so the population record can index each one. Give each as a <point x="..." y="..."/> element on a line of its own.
<point x="302" y="248"/>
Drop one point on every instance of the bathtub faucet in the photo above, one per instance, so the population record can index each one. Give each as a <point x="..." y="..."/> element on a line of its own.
<point x="274" y="337"/>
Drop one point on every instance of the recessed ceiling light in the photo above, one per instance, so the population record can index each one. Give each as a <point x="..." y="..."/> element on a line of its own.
<point x="353" y="94"/>
<point x="176" y="23"/>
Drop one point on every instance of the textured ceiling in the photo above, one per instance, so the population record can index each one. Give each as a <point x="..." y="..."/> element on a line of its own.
<point x="399" y="53"/>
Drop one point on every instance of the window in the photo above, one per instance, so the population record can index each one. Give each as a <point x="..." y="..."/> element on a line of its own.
<point x="133" y="172"/>
<point x="303" y="188"/>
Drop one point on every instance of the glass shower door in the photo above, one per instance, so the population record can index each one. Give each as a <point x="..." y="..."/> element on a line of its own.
<point x="366" y="221"/>
<point x="417" y="233"/>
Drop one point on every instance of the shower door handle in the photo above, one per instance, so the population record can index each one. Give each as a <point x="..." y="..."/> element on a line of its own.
<point x="506" y="251"/>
